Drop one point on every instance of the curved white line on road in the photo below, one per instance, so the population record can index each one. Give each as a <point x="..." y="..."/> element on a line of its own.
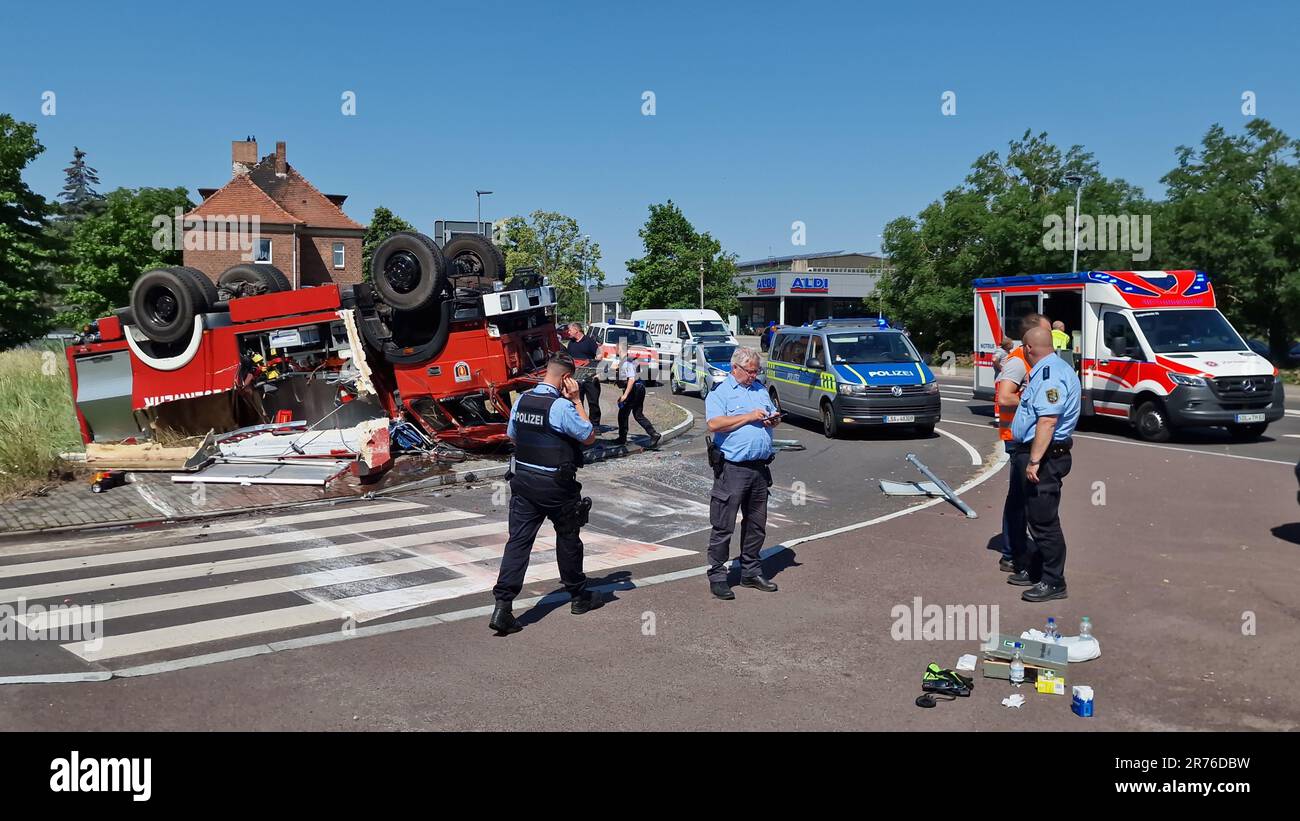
<point x="974" y="454"/>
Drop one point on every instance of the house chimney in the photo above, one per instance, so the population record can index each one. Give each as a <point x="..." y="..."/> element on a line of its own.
<point x="243" y="156"/>
<point x="281" y="168"/>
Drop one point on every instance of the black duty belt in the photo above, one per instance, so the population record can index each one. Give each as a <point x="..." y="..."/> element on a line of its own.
<point x="1055" y="449"/>
<point x="753" y="464"/>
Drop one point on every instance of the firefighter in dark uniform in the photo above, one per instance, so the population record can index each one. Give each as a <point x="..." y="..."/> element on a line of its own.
<point x="1044" y="421"/>
<point x="549" y="428"/>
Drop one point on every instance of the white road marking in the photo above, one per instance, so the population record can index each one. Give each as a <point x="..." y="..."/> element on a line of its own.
<point x="974" y="454"/>
<point x="483" y="611"/>
<point x="233" y="525"/>
<point x="222" y="545"/>
<point x="365" y="607"/>
<point x="73" y="587"/>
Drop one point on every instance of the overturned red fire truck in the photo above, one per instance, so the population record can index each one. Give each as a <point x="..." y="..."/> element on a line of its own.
<point x="437" y="338"/>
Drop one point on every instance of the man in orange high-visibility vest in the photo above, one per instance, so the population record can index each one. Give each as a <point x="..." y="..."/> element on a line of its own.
<point x="1011" y="379"/>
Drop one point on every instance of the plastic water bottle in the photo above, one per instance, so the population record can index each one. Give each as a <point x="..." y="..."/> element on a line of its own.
<point x="1085" y="629"/>
<point x="1051" y="632"/>
<point x="1017" y="666"/>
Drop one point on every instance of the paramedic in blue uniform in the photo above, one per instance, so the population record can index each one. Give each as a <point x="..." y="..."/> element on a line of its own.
<point x="1045" y="419"/>
<point x="740" y="416"/>
<point x="549" y="428"/>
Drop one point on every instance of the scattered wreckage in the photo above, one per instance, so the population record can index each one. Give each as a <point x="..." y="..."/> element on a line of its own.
<point x="422" y="358"/>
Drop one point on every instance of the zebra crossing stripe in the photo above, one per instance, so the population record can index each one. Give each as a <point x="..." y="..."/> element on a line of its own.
<point x="220" y="545"/>
<point x="355" y="609"/>
<point x="109" y="540"/>
<point x="94" y="583"/>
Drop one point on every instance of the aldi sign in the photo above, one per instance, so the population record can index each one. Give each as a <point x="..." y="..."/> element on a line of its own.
<point x="766" y="285"/>
<point x="810" y="285"/>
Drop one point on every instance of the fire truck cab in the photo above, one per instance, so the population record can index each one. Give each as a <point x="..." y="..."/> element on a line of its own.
<point x="1150" y="347"/>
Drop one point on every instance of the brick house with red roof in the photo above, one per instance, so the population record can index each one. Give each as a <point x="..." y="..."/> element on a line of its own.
<point x="301" y="231"/>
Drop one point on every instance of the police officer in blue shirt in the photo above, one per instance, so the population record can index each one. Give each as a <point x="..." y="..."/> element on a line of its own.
<point x="549" y="427"/>
<point x="740" y="416"/>
<point x="1044" y="421"/>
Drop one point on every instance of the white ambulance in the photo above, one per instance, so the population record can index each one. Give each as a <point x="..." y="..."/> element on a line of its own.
<point x="1150" y="348"/>
<point x="671" y="328"/>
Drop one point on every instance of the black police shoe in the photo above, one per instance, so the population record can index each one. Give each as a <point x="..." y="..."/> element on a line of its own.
<point x="1006" y="566"/>
<point x="721" y="591"/>
<point x="1044" y="592"/>
<point x="759" y="583"/>
<point x="584" y="602"/>
<point x="654" y="442"/>
<point x="1021" y="579"/>
<point x="503" y="620"/>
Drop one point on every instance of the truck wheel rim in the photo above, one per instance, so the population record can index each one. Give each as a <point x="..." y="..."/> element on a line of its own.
<point x="163" y="307"/>
<point x="402" y="270"/>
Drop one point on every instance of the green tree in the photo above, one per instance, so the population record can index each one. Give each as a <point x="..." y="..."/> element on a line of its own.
<point x="668" y="276"/>
<point x="1233" y="211"/>
<point x="117" y="243"/>
<point x="26" y="250"/>
<point x="995" y="223"/>
<point x="383" y="224"/>
<point x="554" y="246"/>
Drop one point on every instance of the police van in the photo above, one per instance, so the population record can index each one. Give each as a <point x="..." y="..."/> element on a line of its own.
<point x="672" y="328"/>
<point x="850" y="373"/>
<point x="1150" y="347"/>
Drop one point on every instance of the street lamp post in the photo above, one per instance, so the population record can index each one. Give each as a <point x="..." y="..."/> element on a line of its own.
<point x="1077" y="181"/>
<point x="701" y="284"/>
<point x="478" y="199"/>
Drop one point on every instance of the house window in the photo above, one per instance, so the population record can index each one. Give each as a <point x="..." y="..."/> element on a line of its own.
<point x="263" y="253"/>
<point x="338" y="255"/>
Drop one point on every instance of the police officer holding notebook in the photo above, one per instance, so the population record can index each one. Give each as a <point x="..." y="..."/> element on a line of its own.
<point x="549" y="428"/>
<point x="1042" y="428"/>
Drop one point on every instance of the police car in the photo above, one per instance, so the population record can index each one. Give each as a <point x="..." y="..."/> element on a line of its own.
<point x="702" y="367"/>
<point x="851" y="372"/>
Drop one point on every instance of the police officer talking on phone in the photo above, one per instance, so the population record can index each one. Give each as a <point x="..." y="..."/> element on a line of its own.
<point x="549" y="428"/>
<point x="1045" y="419"/>
<point x="740" y="417"/>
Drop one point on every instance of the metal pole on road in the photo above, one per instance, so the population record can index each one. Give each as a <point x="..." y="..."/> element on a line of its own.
<point x="948" y="492"/>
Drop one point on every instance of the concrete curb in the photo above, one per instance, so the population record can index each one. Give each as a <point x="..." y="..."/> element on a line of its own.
<point x="456" y="477"/>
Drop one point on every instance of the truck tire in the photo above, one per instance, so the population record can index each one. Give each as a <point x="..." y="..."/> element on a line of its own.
<point x="1151" y="423"/>
<point x="205" y="286"/>
<point x="408" y="270"/>
<point x="251" y="279"/>
<point x="164" y="303"/>
<point x="473" y="256"/>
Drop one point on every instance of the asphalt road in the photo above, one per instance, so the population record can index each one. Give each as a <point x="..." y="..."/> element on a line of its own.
<point x="1190" y="539"/>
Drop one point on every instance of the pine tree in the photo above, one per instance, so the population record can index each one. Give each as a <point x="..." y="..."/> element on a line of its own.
<point x="79" y="195"/>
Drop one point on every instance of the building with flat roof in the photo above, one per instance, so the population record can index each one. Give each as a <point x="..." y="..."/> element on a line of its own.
<point x="796" y="289"/>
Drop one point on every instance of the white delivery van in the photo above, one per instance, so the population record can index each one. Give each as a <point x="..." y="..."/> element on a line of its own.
<point x="671" y="327"/>
<point x="1150" y="347"/>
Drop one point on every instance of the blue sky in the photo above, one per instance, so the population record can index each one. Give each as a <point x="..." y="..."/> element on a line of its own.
<point x="766" y="113"/>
